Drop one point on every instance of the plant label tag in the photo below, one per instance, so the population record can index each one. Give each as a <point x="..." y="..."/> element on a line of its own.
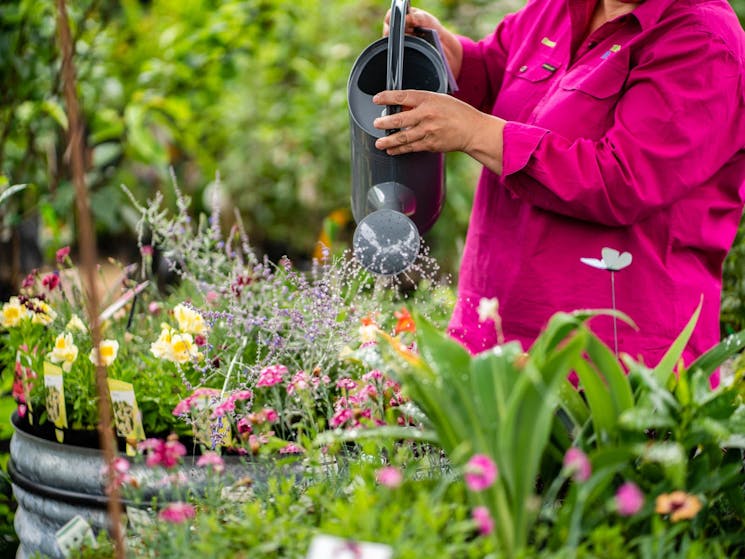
<point x="127" y="417"/>
<point x="331" y="547"/>
<point x="56" y="411"/>
<point x="74" y="535"/>
<point x="138" y="519"/>
<point x="130" y="294"/>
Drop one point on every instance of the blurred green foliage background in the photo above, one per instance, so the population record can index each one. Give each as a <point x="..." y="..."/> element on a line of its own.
<point x="252" y="90"/>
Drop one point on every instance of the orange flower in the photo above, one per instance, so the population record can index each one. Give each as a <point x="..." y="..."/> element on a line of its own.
<point x="678" y="504"/>
<point x="405" y="322"/>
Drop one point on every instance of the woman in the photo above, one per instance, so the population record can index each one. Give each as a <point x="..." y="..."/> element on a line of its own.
<point x="599" y="123"/>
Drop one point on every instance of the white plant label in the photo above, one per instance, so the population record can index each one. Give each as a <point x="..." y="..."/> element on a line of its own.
<point x="331" y="547"/>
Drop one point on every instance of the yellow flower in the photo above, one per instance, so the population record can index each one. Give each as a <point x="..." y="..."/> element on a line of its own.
<point x="183" y="348"/>
<point x="189" y="320"/>
<point x="368" y="333"/>
<point x="161" y="348"/>
<point x="65" y="351"/>
<point x="76" y="324"/>
<point x="12" y="314"/>
<point x="43" y="313"/>
<point x="678" y="504"/>
<point x="108" y="350"/>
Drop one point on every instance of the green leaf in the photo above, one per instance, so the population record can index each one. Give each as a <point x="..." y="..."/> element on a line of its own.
<point x="8" y="192"/>
<point x="55" y="110"/>
<point x="718" y="354"/>
<point x="664" y="369"/>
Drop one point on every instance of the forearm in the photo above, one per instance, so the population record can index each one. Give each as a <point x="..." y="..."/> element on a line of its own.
<point x="487" y="144"/>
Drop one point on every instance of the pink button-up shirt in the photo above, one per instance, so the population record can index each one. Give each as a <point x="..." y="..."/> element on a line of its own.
<point x="631" y="138"/>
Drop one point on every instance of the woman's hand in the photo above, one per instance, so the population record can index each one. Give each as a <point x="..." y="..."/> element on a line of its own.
<point x="439" y="123"/>
<point x="449" y="41"/>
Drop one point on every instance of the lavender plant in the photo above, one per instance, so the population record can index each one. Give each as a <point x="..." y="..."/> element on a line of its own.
<point x="274" y="350"/>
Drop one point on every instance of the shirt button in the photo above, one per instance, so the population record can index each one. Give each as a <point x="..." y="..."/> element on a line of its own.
<point x="523" y="68"/>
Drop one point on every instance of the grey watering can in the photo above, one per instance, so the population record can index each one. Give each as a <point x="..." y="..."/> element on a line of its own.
<point x="395" y="199"/>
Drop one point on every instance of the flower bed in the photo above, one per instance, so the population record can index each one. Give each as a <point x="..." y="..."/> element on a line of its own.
<point x="401" y="436"/>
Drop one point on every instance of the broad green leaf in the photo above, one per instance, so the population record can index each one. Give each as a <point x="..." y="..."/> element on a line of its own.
<point x="598" y="398"/>
<point x="608" y="366"/>
<point x="718" y="354"/>
<point x="664" y="369"/>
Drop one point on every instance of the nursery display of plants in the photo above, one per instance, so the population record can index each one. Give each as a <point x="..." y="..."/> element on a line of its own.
<point x="265" y="411"/>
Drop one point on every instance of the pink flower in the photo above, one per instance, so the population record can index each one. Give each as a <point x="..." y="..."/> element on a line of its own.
<point x="50" y="281"/>
<point x="577" y="464"/>
<point x="154" y="308"/>
<point x="301" y="381"/>
<point x="62" y="254"/>
<point x="389" y="476"/>
<point x="162" y="453"/>
<point x="211" y="297"/>
<point x="629" y="499"/>
<point x="272" y="375"/>
<point x="480" y="472"/>
<point x="177" y="513"/>
<point x="291" y="448"/>
<point x="29" y="280"/>
<point x="346" y="384"/>
<point x="375" y="374"/>
<point x="211" y="460"/>
<point x="483" y="519"/>
<point x="244" y="426"/>
<point x="341" y="417"/>
<point x="270" y="415"/>
<point x="146" y="250"/>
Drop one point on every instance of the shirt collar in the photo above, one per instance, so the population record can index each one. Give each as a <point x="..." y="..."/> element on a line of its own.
<point x="649" y="13"/>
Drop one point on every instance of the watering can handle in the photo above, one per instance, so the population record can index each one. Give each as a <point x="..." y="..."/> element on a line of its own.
<point x="396" y="36"/>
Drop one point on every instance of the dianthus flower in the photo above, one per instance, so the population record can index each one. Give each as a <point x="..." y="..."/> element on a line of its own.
<point x="483" y="519"/>
<point x="269" y="376"/>
<point x="177" y="513"/>
<point x="211" y="460"/>
<point x="577" y="464"/>
<point x="480" y="472"/>
<point x="389" y="476"/>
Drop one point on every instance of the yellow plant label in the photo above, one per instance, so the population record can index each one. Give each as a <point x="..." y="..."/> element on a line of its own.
<point x="54" y="383"/>
<point x="127" y="417"/>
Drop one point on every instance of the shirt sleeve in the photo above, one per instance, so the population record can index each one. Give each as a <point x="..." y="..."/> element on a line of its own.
<point x="483" y="65"/>
<point x="678" y="121"/>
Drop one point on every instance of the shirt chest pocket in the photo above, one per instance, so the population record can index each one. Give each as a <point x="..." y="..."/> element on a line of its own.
<point x="604" y="81"/>
<point x="527" y="82"/>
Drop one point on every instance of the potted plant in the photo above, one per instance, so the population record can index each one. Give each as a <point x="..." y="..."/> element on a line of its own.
<point x="243" y="356"/>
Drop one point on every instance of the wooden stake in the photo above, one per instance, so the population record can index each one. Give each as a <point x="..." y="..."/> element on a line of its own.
<point x="88" y="257"/>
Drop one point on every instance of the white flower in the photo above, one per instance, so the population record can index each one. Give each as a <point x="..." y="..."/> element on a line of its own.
<point x="488" y="309"/>
<point x="108" y="351"/>
<point x="76" y="324"/>
<point x="65" y="351"/>
<point x="13" y="312"/>
<point x="189" y="320"/>
<point x="611" y="260"/>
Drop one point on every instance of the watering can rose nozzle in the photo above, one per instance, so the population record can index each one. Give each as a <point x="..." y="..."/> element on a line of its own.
<point x="386" y="242"/>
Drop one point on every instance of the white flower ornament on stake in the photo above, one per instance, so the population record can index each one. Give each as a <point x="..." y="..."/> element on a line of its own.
<point x="613" y="261"/>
